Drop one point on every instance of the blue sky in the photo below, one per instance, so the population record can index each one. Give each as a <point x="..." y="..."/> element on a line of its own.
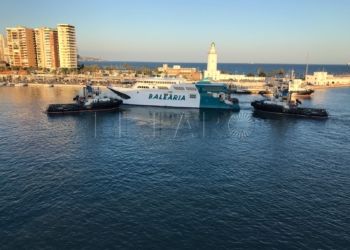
<point x="244" y="31"/>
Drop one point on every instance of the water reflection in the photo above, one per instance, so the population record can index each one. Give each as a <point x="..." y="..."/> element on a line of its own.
<point x="29" y="103"/>
<point x="159" y="122"/>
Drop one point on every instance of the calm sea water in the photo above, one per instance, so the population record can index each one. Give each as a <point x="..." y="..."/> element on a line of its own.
<point x="156" y="178"/>
<point x="240" y="68"/>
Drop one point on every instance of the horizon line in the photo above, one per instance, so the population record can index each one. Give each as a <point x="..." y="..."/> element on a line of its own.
<point x="104" y="60"/>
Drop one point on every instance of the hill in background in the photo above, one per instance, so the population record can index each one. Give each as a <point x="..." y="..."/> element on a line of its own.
<point x="90" y="59"/>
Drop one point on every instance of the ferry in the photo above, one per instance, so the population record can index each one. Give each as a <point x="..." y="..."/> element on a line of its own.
<point x="175" y="92"/>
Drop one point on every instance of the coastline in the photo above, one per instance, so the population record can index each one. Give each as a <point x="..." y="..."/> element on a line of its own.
<point x="329" y="87"/>
<point x="64" y="85"/>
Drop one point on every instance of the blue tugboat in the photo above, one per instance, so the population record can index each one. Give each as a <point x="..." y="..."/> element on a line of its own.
<point x="91" y="101"/>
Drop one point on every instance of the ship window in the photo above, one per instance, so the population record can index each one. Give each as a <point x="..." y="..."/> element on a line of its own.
<point x="191" y="88"/>
<point x="193" y="96"/>
<point x="179" y="88"/>
<point x="213" y="88"/>
<point x="162" y="87"/>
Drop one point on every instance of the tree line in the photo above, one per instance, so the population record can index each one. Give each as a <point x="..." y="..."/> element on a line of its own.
<point x="125" y="68"/>
<point x="272" y="72"/>
<point x="81" y="69"/>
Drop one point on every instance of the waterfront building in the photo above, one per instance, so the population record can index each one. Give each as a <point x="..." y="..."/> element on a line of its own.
<point x="322" y="78"/>
<point x="47" y="50"/>
<point x="3" y="46"/>
<point x="40" y="46"/>
<point x="6" y="52"/>
<point x="21" y="46"/>
<point x="177" y="71"/>
<point x="67" y="46"/>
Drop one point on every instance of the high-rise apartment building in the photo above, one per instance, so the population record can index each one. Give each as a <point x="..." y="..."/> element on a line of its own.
<point x="42" y="47"/>
<point x="67" y="46"/>
<point x="54" y="48"/>
<point x="47" y="51"/>
<point x="21" y="46"/>
<point x="3" y="46"/>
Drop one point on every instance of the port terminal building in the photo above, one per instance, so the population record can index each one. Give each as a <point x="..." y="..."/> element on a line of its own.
<point x="322" y="78"/>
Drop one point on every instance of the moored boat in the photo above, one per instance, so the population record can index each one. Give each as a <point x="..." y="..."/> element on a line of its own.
<point x="91" y="101"/>
<point x="266" y="93"/>
<point x="21" y="84"/>
<point x="175" y="92"/>
<point x="241" y="91"/>
<point x="296" y="90"/>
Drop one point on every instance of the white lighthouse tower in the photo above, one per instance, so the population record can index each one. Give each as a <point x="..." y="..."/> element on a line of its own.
<point x="212" y="64"/>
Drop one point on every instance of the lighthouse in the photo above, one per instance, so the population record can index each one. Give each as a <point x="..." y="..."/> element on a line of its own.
<point x="212" y="64"/>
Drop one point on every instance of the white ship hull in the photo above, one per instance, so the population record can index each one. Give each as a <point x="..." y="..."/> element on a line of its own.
<point x="174" y="92"/>
<point x="161" y="98"/>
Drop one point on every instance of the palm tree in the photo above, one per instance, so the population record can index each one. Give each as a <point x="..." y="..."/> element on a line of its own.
<point x="94" y="68"/>
<point x="262" y="74"/>
<point x="131" y="68"/>
<point x="120" y="74"/>
<point x="144" y="70"/>
<point x="272" y="73"/>
<point x="280" y="71"/>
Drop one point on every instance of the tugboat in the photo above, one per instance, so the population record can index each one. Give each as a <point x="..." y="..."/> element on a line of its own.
<point x="90" y="102"/>
<point x="289" y="107"/>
